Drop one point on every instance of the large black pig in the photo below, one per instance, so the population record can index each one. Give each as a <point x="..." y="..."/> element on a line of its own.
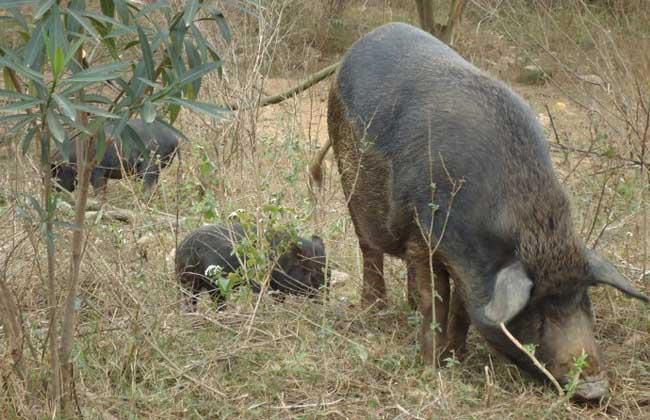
<point x="434" y="152"/>
<point x="161" y="144"/>
<point x="299" y="271"/>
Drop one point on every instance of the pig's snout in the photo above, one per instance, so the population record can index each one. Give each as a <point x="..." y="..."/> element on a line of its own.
<point x="592" y="389"/>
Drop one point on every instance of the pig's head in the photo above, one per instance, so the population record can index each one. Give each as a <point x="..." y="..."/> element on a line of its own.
<point x="65" y="175"/>
<point x="558" y="322"/>
<point x="303" y="268"/>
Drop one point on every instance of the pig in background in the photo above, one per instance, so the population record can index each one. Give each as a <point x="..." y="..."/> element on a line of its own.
<point x="299" y="271"/>
<point x="160" y="142"/>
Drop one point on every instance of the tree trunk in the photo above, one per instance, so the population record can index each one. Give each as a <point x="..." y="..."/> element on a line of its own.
<point x="444" y="32"/>
<point x="456" y="9"/>
<point x="426" y="15"/>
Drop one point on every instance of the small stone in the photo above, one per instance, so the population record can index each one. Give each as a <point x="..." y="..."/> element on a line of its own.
<point x="533" y="75"/>
<point x="593" y="79"/>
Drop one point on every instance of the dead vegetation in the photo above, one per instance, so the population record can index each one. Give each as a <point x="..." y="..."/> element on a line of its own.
<point x="136" y="356"/>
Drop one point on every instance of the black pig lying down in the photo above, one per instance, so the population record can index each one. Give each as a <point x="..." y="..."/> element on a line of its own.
<point x="299" y="271"/>
<point x="160" y="141"/>
<point x="411" y="121"/>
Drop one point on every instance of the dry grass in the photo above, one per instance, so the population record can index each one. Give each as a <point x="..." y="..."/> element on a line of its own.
<point x="137" y="357"/>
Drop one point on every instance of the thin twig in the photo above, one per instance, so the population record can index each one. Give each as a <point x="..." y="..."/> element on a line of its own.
<point x="600" y="155"/>
<point x="300" y="87"/>
<point x="550" y="117"/>
<point x="532" y="357"/>
<point x="318" y="404"/>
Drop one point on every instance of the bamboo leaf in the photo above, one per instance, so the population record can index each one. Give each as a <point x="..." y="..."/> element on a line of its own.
<point x="65" y="106"/>
<point x="190" y="12"/>
<point x="27" y="140"/>
<point x="72" y="50"/>
<point x="22" y="122"/>
<point x="122" y="11"/>
<point x="147" y="56"/>
<point x="58" y="63"/>
<point x="15" y="95"/>
<point x="16" y="3"/>
<point x="218" y="17"/>
<point x="20" y="105"/>
<point x="174" y="110"/>
<point x="148" y="112"/>
<point x="132" y="139"/>
<point x="208" y="109"/>
<point x="108" y="7"/>
<point x="55" y="127"/>
<point x="35" y="48"/>
<point x="95" y="111"/>
<point x="7" y="79"/>
<point x="19" y="18"/>
<point x="109" y="20"/>
<point x="43" y="8"/>
<point x="199" y="72"/>
<point x="99" y="73"/>
<point x="23" y="71"/>
<point x="86" y="25"/>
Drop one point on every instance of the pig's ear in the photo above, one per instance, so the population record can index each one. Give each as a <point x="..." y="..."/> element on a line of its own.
<point x="510" y="295"/>
<point x="603" y="272"/>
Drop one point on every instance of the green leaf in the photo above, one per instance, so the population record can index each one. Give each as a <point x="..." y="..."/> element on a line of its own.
<point x="150" y="83"/>
<point x="199" y="72"/>
<point x="15" y="117"/>
<point x="109" y="20"/>
<point x="54" y="27"/>
<point x="64" y="149"/>
<point x="25" y="120"/>
<point x="151" y="7"/>
<point x="147" y="56"/>
<point x="35" y="48"/>
<point x="19" y="18"/>
<point x="148" y="112"/>
<point x="27" y="140"/>
<point x="65" y="106"/>
<point x="59" y="63"/>
<point x="6" y="76"/>
<point x="99" y="73"/>
<point x="20" y="105"/>
<point x="55" y="127"/>
<point x="15" y="95"/>
<point x="221" y="22"/>
<point x="108" y="7"/>
<point x="122" y="11"/>
<point x="95" y="111"/>
<point x="23" y="71"/>
<point x="208" y="109"/>
<point x="16" y="3"/>
<point x="194" y="61"/>
<point x="86" y="25"/>
<point x="99" y="99"/>
<point x="132" y="139"/>
<point x="43" y="8"/>
<point x="174" y="110"/>
<point x="190" y="12"/>
<point x="72" y="50"/>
